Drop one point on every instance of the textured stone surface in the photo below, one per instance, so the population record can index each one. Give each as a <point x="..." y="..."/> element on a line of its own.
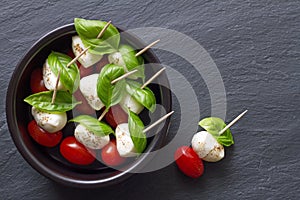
<point x="256" y="46"/>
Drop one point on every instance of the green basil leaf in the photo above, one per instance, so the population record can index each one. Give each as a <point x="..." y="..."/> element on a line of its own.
<point x="226" y="138"/>
<point x="69" y="76"/>
<point x="136" y="128"/>
<point x="144" y="96"/>
<point x="64" y="101"/>
<point x="214" y="125"/>
<point x="132" y="62"/>
<point x="93" y="125"/>
<point x="110" y="94"/>
<point x="88" y="31"/>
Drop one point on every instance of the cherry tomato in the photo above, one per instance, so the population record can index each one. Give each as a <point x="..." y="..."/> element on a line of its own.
<point x="85" y="71"/>
<point x="189" y="162"/>
<point x="75" y="152"/>
<point x="110" y="154"/>
<point x="99" y="65"/>
<point x="36" y="81"/>
<point x="43" y="137"/>
<point x="116" y="115"/>
<point x="84" y="107"/>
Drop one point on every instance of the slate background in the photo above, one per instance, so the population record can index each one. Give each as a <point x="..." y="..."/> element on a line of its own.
<point x="256" y="46"/>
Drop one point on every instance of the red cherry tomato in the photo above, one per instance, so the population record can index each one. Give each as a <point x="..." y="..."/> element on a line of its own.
<point x="71" y="54"/>
<point x="116" y="115"/>
<point x="43" y="137"/>
<point x="75" y="152"/>
<point x="189" y="162"/>
<point x="110" y="154"/>
<point x="84" y="107"/>
<point x="36" y="81"/>
<point x="85" y="71"/>
<point x="99" y="65"/>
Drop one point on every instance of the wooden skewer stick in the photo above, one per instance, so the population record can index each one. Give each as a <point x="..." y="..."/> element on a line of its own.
<point x="102" y="115"/>
<point x="124" y="76"/>
<point x="158" y="121"/>
<point x="55" y="89"/>
<point x="146" y="48"/>
<point x="103" y="30"/>
<point x="152" y="78"/>
<point x="78" y="56"/>
<point x="232" y="122"/>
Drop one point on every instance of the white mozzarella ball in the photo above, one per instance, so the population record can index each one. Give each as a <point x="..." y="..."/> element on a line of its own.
<point x="124" y="142"/>
<point x="88" y="87"/>
<point x="89" y="139"/>
<point x="207" y="147"/>
<point x="51" y="122"/>
<point x="50" y="78"/>
<point x="117" y="59"/>
<point x="128" y="102"/>
<point x="87" y="59"/>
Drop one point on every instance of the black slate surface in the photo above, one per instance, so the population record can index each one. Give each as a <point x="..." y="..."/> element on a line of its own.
<point x="256" y="46"/>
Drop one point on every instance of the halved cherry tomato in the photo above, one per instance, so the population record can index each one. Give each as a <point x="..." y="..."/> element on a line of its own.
<point x="37" y="81"/>
<point x="189" y="162"/>
<point x="75" y="152"/>
<point x="116" y="115"/>
<point x="99" y="65"/>
<point x="110" y="154"/>
<point x="84" y="107"/>
<point x="43" y="137"/>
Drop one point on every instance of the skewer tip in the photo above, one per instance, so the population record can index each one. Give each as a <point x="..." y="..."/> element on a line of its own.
<point x="147" y="47"/>
<point x="233" y="122"/>
<point x="158" y="121"/>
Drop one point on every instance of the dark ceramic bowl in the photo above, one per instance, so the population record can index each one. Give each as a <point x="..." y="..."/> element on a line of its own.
<point x="48" y="161"/>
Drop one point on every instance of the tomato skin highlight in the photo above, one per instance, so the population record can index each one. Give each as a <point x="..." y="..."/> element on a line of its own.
<point x="75" y="152"/>
<point x="37" y="81"/>
<point x="42" y="137"/>
<point x="110" y="154"/>
<point x="116" y="115"/>
<point x="189" y="162"/>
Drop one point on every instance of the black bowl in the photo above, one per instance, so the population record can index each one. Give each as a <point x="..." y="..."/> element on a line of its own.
<point x="48" y="161"/>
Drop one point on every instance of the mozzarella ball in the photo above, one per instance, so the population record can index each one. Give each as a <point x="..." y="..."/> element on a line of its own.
<point x="117" y="59"/>
<point x="51" y="122"/>
<point x="50" y="78"/>
<point x="207" y="147"/>
<point x="125" y="144"/>
<point x="130" y="103"/>
<point x="88" y="88"/>
<point x="87" y="59"/>
<point x="89" y="139"/>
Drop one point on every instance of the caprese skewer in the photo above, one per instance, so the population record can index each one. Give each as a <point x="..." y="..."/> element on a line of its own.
<point x="206" y="145"/>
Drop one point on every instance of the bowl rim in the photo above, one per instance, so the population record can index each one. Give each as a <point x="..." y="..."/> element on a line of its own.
<point x="16" y="135"/>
